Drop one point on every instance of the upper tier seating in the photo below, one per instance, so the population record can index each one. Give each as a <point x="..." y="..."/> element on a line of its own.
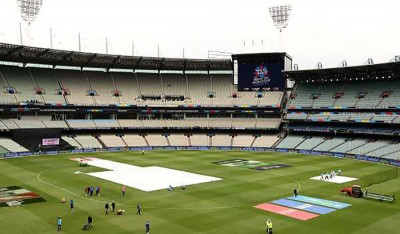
<point x="127" y="85"/>
<point x="61" y="86"/>
<point x="22" y="81"/>
<point x="5" y="97"/>
<point x="47" y="80"/>
<point x="358" y="94"/>
<point x="103" y="84"/>
<point x="78" y="86"/>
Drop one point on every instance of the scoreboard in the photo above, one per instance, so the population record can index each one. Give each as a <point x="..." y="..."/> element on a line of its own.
<point x="261" y="72"/>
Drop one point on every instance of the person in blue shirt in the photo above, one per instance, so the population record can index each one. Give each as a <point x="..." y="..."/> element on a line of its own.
<point x="98" y="190"/>
<point x="147" y="225"/>
<point x="71" y="205"/>
<point x="59" y="222"/>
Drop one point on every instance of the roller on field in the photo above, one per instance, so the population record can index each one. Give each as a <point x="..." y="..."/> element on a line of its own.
<point x="356" y="191"/>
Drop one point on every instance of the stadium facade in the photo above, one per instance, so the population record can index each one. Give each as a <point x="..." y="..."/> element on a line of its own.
<point x="97" y="102"/>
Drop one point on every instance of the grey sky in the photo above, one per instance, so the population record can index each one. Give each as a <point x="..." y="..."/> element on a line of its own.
<point x="319" y="30"/>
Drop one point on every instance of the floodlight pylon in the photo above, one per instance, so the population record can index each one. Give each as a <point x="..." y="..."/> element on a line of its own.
<point x="280" y="16"/>
<point x="29" y="9"/>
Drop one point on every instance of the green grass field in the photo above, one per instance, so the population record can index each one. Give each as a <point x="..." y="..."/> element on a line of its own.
<point x="217" y="207"/>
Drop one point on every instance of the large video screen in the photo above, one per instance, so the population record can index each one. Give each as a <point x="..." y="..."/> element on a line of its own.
<point x="260" y="75"/>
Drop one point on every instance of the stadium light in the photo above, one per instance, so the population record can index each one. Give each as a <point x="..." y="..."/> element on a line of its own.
<point x="280" y="16"/>
<point x="29" y="9"/>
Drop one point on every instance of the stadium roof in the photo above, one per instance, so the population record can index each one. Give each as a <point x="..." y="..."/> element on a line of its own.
<point x="374" y="71"/>
<point x="36" y="55"/>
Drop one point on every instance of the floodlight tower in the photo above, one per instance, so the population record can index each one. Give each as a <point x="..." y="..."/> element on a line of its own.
<point x="280" y="16"/>
<point x="29" y="10"/>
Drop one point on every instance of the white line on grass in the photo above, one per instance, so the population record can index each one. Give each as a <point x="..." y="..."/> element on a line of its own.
<point x="66" y="190"/>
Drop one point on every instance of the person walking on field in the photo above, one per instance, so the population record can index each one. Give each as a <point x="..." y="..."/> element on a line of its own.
<point x="269" y="226"/>
<point x="139" y="209"/>
<point x="147" y="226"/>
<point x="123" y="190"/>
<point x="59" y="223"/>
<point x="106" y="206"/>
<point x="71" y="205"/>
<point x="295" y="192"/>
<point x="113" y="206"/>
<point x="98" y="190"/>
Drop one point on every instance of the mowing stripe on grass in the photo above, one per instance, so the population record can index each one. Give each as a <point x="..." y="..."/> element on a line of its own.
<point x="289" y="212"/>
<point x="321" y="202"/>
<point x="303" y="206"/>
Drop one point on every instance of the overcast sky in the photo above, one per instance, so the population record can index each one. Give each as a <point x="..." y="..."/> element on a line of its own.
<point x="319" y="30"/>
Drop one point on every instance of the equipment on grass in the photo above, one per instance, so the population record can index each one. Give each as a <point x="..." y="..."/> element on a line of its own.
<point x="354" y="191"/>
<point x="83" y="164"/>
<point x="379" y="197"/>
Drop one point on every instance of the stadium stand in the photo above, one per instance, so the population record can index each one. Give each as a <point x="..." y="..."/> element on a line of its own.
<point x="88" y="142"/>
<point x="135" y="140"/>
<point x="106" y="123"/>
<point x="70" y="140"/>
<point x="81" y="123"/>
<point x="199" y="87"/>
<point x="22" y="81"/>
<point x="111" y="140"/>
<point x="127" y="86"/>
<point x="349" y="145"/>
<point x="199" y="140"/>
<point x="7" y="92"/>
<point x="103" y="84"/>
<point x="347" y="113"/>
<point x="221" y="140"/>
<point x="311" y="143"/>
<point x="243" y="140"/>
<point x="329" y="144"/>
<point x="178" y="140"/>
<point x="361" y="94"/>
<point x="11" y="145"/>
<point x="157" y="140"/>
<point x="291" y="142"/>
<point x="265" y="141"/>
<point x="47" y="81"/>
<point x="3" y="151"/>
<point x="78" y="85"/>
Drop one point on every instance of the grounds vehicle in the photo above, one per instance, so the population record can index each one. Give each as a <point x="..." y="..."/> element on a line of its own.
<point x="355" y="191"/>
